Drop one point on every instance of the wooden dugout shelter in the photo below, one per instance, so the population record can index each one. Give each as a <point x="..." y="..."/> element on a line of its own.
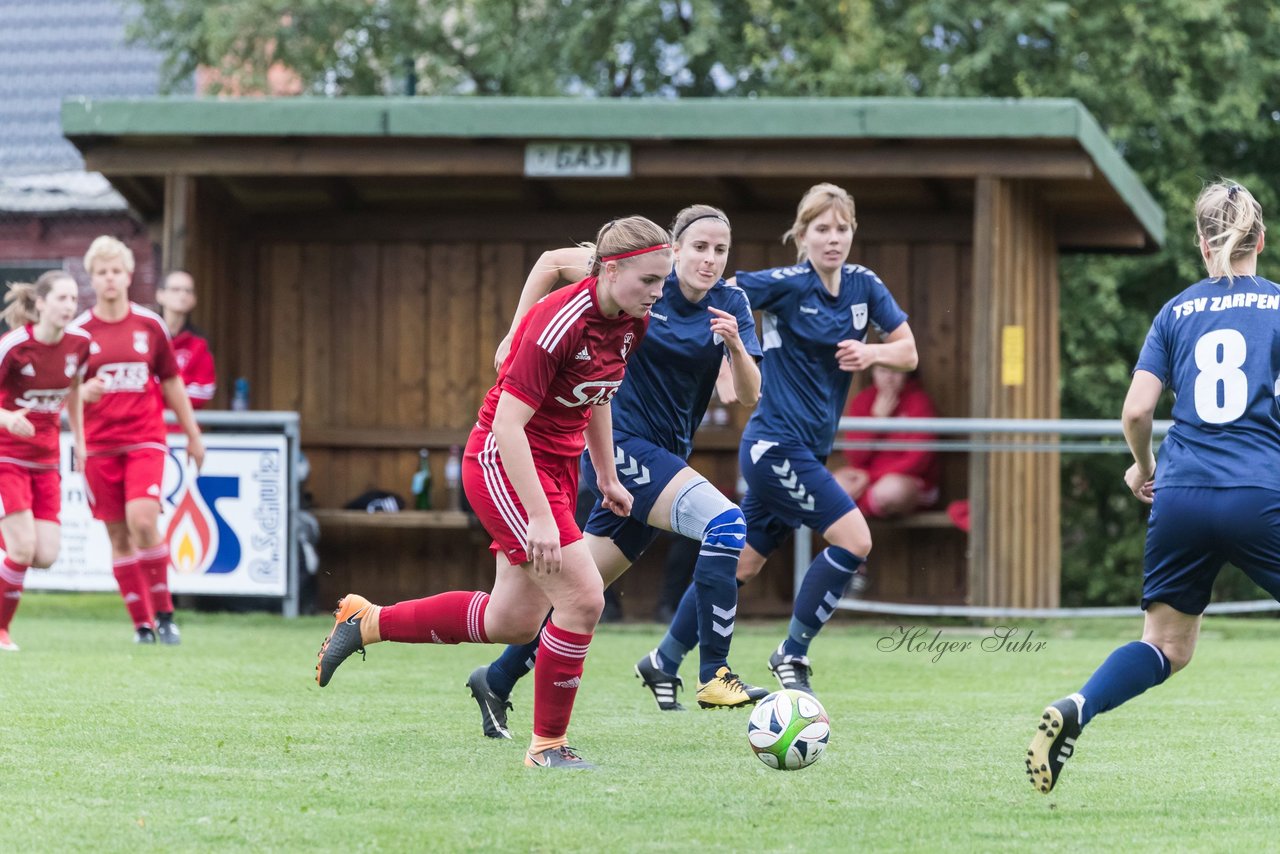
<point x="358" y="260"/>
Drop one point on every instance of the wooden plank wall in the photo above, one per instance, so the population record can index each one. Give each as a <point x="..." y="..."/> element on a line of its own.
<point x="1016" y="545"/>
<point x="367" y="334"/>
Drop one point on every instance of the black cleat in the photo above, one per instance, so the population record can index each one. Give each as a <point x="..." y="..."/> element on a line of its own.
<point x="493" y="709"/>
<point x="144" y="634"/>
<point x="662" y="684"/>
<point x="792" y="671"/>
<point x="1053" y="744"/>
<point x="167" y="630"/>
<point x="345" y="637"/>
<point x="558" y="757"/>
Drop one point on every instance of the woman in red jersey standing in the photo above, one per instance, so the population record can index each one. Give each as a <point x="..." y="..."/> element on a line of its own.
<point x="41" y="363"/>
<point x="567" y="359"/>
<point x="121" y="438"/>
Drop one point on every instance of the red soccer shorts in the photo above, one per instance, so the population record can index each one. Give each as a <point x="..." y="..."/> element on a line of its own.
<point x="114" y="479"/>
<point x="494" y="499"/>
<point x="26" y="488"/>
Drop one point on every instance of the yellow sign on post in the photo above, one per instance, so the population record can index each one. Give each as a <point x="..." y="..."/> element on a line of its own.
<point x="1013" y="355"/>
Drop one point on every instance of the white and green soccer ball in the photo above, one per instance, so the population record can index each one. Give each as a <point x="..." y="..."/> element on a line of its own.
<point x="789" y="730"/>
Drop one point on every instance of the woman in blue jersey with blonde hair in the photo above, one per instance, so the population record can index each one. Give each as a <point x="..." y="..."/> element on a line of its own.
<point x="1215" y="496"/>
<point x="697" y="324"/>
<point x="815" y="319"/>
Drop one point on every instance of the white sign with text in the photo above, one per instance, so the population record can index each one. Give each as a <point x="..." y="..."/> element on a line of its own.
<point x="227" y="528"/>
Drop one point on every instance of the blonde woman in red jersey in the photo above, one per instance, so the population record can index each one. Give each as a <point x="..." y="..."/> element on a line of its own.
<point x="121" y="437"/>
<point x="520" y="473"/>
<point x="41" y="363"/>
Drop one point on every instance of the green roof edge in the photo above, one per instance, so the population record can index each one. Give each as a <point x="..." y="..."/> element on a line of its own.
<point x="556" y="118"/>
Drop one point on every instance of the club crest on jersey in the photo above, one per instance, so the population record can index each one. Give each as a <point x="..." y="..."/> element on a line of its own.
<point x="72" y="364"/>
<point x="626" y="344"/>
<point x="859" y="315"/>
<point x="140" y="342"/>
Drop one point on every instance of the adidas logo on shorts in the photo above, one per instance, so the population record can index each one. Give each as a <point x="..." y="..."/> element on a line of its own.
<point x="583" y="355"/>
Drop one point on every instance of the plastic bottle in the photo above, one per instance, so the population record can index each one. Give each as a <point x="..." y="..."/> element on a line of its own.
<point x="240" y="396"/>
<point x="453" y="477"/>
<point x="422" y="483"/>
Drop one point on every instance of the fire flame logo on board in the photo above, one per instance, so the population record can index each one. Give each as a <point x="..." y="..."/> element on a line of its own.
<point x="192" y="541"/>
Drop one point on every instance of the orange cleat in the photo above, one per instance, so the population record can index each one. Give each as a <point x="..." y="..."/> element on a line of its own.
<point x="344" y="639"/>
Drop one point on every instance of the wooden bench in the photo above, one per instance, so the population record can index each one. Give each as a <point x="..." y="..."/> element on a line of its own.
<point x="438" y="519"/>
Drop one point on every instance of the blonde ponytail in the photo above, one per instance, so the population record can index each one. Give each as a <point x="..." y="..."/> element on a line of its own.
<point x="20" y="305"/>
<point x="1229" y="220"/>
<point x="20" y="301"/>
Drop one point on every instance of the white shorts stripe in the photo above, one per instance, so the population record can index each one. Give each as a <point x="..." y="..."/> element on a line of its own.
<point x="493" y="479"/>
<point x="563" y="319"/>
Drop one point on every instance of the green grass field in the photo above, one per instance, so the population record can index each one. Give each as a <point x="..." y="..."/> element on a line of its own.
<point x="227" y="742"/>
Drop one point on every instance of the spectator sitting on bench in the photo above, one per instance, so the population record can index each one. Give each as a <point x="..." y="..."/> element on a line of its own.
<point x="889" y="483"/>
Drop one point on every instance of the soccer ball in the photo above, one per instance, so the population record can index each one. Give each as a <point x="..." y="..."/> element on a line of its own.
<point x="788" y="730"/>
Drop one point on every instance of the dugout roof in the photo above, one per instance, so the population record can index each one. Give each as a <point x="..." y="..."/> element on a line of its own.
<point x="392" y="154"/>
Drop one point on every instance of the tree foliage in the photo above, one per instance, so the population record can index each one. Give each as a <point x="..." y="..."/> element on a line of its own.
<point x="1187" y="89"/>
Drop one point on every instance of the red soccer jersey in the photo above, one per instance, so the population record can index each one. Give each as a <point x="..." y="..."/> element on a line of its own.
<point x="913" y="402"/>
<point x="195" y="363"/>
<point x="129" y="355"/>
<point x="37" y="377"/>
<point x="566" y="357"/>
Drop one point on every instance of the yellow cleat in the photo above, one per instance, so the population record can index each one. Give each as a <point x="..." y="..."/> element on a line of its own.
<point x="727" y="691"/>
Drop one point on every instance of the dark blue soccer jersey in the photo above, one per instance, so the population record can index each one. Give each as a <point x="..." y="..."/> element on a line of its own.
<point x="804" y="391"/>
<point x="1217" y="346"/>
<point x="670" y="378"/>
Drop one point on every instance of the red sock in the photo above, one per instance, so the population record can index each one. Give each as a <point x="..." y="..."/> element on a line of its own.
<point x="133" y="589"/>
<point x="557" y="671"/>
<point x="12" y="576"/>
<point x="155" y="571"/>
<point x="456" y="617"/>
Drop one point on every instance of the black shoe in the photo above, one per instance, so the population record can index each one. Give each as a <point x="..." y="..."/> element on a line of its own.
<point x="1053" y="744"/>
<point x="493" y="709"/>
<point x="558" y="757"/>
<point x="167" y="630"/>
<point x="344" y="639"/>
<point x="144" y="634"/>
<point x="662" y="684"/>
<point x="792" y="671"/>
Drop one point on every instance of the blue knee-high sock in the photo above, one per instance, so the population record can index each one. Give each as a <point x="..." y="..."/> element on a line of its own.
<point x="822" y="587"/>
<point x="1127" y="672"/>
<point x="682" y="635"/>
<point x="512" y="665"/>
<point x="716" y="589"/>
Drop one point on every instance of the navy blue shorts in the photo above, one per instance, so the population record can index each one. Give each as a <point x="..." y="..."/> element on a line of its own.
<point x="787" y="486"/>
<point x="645" y="470"/>
<point x="1193" y="531"/>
